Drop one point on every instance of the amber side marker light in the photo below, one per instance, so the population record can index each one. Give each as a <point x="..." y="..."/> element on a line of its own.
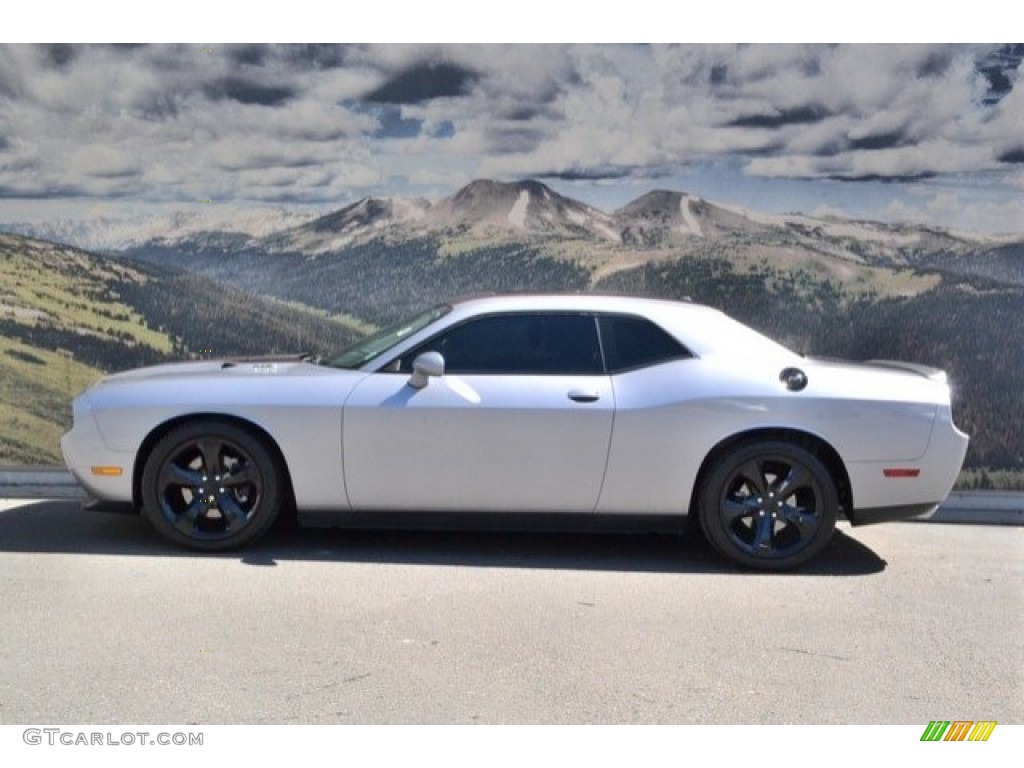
<point x="106" y="471"/>
<point x="898" y="472"/>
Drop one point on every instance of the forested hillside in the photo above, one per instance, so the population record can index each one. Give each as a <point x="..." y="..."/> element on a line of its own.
<point x="67" y="317"/>
<point x="380" y="281"/>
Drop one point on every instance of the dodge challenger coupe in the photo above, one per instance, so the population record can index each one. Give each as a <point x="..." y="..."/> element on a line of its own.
<point x="579" y="408"/>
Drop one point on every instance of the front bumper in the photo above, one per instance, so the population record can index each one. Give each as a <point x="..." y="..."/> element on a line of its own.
<point x="85" y="453"/>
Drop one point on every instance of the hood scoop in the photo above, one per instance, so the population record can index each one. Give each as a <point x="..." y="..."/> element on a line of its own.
<point x="268" y="363"/>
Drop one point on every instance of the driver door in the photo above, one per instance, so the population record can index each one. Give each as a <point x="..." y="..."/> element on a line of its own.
<point x="519" y="422"/>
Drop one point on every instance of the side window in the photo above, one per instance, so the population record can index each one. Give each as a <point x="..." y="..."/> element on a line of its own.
<point x="632" y="342"/>
<point x="535" y="343"/>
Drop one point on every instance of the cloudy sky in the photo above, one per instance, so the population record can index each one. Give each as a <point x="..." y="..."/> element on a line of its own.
<point x="921" y="132"/>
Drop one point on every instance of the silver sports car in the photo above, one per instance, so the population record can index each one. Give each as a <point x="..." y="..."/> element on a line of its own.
<point x="578" y="408"/>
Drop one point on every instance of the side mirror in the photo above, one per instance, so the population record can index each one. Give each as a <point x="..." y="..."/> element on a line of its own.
<point x="423" y="367"/>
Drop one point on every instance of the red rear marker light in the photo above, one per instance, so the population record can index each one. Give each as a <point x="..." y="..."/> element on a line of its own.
<point x="901" y="472"/>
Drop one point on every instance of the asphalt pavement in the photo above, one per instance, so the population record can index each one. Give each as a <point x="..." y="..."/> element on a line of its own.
<point x="895" y="623"/>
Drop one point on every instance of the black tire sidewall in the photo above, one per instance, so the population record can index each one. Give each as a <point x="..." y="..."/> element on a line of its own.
<point x="263" y="515"/>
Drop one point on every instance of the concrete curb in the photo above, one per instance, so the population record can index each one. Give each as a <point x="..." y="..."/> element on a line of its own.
<point x="38" y="483"/>
<point x="971" y="507"/>
<point x="981" y="507"/>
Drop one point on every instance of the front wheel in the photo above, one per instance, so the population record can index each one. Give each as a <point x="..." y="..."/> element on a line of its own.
<point x="211" y="486"/>
<point x="769" y="505"/>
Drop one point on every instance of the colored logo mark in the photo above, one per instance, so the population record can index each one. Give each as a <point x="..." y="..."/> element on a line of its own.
<point x="958" y="730"/>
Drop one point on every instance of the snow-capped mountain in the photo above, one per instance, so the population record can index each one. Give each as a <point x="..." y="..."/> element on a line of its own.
<point x="662" y="217"/>
<point x="485" y="211"/>
<point x="527" y="207"/>
<point x="365" y="219"/>
<point x="121" y="233"/>
<point x="482" y="208"/>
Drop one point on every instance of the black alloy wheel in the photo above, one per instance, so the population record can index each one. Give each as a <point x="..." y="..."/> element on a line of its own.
<point x="211" y="486"/>
<point x="770" y="505"/>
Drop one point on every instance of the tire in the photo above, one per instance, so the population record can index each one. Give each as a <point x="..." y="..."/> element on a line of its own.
<point x="769" y="505"/>
<point x="211" y="486"/>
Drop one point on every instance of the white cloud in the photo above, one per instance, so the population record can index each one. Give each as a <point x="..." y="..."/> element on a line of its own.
<point x="185" y="122"/>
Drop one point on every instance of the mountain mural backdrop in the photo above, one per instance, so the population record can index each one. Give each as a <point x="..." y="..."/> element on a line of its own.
<point x="823" y="286"/>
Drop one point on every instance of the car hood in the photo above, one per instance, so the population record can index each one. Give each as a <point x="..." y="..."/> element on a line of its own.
<point x="272" y="365"/>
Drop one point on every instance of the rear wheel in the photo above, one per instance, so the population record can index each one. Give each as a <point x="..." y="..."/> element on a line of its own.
<point x="211" y="486"/>
<point x="769" y="505"/>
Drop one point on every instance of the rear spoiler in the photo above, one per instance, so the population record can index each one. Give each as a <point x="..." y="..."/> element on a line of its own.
<point x="921" y="370"/>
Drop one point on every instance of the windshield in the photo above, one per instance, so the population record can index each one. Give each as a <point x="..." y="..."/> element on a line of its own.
<point x="364" y="350"/>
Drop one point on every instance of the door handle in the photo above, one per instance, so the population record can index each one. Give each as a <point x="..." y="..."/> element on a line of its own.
<point x="584" y="396"/>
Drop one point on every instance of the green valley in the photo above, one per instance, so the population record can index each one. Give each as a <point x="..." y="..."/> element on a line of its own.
<point x="68" y="316"/>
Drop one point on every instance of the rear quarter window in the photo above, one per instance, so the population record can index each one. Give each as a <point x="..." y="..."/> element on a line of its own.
<point x="634" y="342"/>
